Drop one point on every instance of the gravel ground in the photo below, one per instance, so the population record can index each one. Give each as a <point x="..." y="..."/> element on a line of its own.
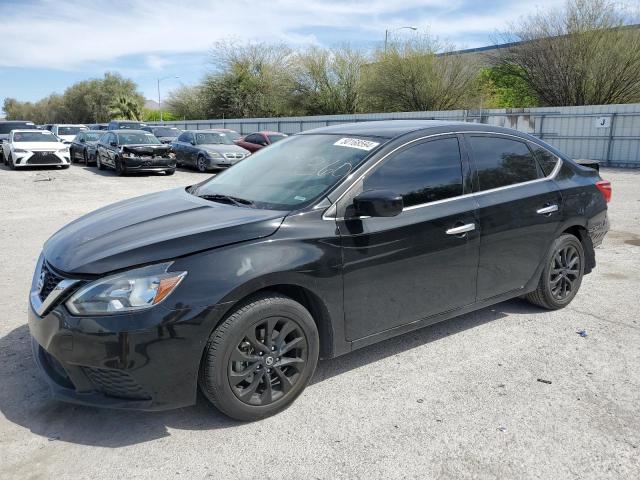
<point x="456" y="400"/>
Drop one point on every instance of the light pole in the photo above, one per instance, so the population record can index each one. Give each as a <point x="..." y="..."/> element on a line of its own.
<point x="159" y="102"/>
<point x="387" y="31"/>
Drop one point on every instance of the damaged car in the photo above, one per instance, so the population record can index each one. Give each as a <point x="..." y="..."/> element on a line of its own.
<point x="128" y="151"/>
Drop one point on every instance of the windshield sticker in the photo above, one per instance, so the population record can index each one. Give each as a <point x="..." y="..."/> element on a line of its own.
<point x="357" y="143"/>
<point x="300" y="199"/>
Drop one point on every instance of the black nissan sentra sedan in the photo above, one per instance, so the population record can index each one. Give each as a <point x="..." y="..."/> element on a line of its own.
<point x="128" y="151"/>
<point x="323" y="243"/>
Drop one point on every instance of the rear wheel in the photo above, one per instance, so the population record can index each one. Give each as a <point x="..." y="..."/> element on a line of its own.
<point x="562" y="274"/>
<point x="260" y="358"/>
<point x="170" y="172"/>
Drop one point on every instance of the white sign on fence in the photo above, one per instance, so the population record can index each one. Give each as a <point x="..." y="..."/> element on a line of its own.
<point x="603" y="122"/>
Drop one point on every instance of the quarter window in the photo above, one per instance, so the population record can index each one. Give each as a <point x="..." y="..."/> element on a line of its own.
<point x="546" y="159"/>
<point x="501" y="162"/>
<point x="422" y="173"/>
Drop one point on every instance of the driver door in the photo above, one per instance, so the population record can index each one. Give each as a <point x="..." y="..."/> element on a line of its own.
<point x="423" y="262"/>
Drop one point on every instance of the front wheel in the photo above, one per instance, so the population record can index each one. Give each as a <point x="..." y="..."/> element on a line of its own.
<point x="85" y="157"/>
<point x="201" y="164"/>
<point x="120" y="170"/>
<point x="562" y="274"/>
<point x="98" y="162"/>
<point x="170" y="172"/>
<point x="10" y="162"/>
<point x="260" y="358"/>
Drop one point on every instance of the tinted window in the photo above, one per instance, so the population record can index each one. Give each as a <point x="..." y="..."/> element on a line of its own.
<point x="6" y="127"/>
<point x="546" y="159"/>
<point x="207" y="138"/>
<point x="70" y="130"/>
<point x="253" y="138"/>
<point x="136" y="138"/>
<point x="164" y="131"/>
<point x="501" y="161"/>
<point x="423" y="173"/>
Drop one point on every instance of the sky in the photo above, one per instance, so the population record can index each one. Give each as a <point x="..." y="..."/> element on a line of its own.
<point x="47" y="45"/>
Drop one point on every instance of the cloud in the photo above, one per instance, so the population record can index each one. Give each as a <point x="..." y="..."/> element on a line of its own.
<point x="69" y="34"/>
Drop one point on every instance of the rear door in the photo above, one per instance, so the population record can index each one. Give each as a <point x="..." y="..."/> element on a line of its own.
<point x="519" y="209"/>
<point x="423" y="262"/>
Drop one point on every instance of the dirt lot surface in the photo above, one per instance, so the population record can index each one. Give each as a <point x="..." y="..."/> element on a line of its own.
<point x="457" y="400"/>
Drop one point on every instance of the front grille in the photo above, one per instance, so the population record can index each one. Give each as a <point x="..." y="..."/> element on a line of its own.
<point x="232" y="156"/>
<point x="49" y="281"/>
<point x="42" y="158"/>
<point x="115" y="383"/>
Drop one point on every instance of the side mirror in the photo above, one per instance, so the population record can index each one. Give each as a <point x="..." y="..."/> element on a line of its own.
<point x="377" y="203"/>
<point x="82" y="140"/>
<point x="113" y="144"/>
<point x="192" y="142"/>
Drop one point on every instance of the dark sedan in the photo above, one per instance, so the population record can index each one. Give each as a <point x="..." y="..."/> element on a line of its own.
<point x="83" y="146"/>
<point x="255" y="141"/>
<point x="128" y="151"/>
<point x="328" y="241"/>
<point x="207" y="150"/>
<point x="164" y="134"/>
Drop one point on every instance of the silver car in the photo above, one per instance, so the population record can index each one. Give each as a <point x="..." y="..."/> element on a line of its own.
<point x="207" y="150"/>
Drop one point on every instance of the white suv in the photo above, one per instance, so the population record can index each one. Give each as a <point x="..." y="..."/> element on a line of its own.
<point x="30" y="148"/>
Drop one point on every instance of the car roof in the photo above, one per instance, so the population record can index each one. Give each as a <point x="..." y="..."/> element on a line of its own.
<point x="16" y="121"/>
<point x="23" y="130"/>
<point x="95" y="131"/>
<point x="396" y="128"/>
<point x="126" y="130"/>
<point x="206" y="130"/>
<point x="68" y="125"/>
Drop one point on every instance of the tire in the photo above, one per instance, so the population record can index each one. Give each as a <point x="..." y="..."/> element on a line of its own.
<point x="170" y="172"/>
<point x="98" y="162"/>
<point x="64" y="167"/>
<point x="120" y="170"/>
<point x="248" y="396"/>
<point x="12" y="165"/>
<point x="562" y="275"/>
<point x="72" y="156"/>
<point x="201" y="164"/>
<point x="85" y="157"/>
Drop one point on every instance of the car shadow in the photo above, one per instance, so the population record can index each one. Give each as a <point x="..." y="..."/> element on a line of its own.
<point x="25" y="398"/>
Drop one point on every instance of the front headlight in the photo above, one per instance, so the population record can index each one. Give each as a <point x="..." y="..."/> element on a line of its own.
<point x="19" y="151"/>
<point x="125" y="292"/>
<point x="214" y="155"/>
<point x="64" y="150"/>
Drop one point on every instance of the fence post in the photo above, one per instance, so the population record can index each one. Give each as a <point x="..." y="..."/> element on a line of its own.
<point x="610" y="141"/>
<point x="541" y="133"/>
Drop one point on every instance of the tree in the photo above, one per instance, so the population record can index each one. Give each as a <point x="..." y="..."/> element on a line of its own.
<point x="125" y="108"/>
<point x="581" y="55"/>
<point x="502" y="87"/>
<point x="187" y="102"/>
<point x="327" y="81"/>
<point x="87" y="101"/>
<point x="418" y="75"/>
<point x="249" y="80"/>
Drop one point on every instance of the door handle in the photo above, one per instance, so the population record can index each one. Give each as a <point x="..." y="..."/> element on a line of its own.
<point x="547" y="210"/>
<point x="462" y="229"/>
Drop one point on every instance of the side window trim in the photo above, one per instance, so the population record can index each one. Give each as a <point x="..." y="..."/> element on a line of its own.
<point x="332" y="212"/>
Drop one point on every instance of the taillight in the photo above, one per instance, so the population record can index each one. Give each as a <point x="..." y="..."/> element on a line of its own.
<point x="605" y="189"/>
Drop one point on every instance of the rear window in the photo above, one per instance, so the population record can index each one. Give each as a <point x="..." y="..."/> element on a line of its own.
<point x="501" y="161"/>
<point x="70" y="130"/>
<point x="137" y="139"/>
<point x="6" y="127"/>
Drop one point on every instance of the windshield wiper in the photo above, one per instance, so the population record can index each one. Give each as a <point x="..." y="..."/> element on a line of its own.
<point x="238" y="202"/>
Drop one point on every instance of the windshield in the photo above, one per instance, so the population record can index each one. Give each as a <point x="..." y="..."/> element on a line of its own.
<point x="34" y="137"/>
<point x="92" y="136"/>
<point x="137" y="139"/>
<point x="6" y="127"/>
<point x="207" y="138"/>
<point x="291" y="173"/>
<point x="70" y="130"/>
<point x="166" y="132"/>
<point x="275" y="138"/>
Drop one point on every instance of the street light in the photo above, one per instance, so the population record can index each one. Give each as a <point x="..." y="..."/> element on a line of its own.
<point x="386" y="34"/>
<point x="159" y="103"/>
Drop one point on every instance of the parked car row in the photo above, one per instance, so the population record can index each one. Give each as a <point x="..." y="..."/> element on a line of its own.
<point x="128" y="146"/>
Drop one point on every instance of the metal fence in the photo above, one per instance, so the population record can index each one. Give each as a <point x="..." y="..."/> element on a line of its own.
<point x="607" y="133"/>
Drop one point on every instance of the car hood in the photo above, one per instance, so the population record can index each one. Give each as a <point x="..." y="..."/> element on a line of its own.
<point x="39" y="146"/>
<point x="153" y="228"/>
<point x="147" y="149"/>
<point x="217" y="148"/>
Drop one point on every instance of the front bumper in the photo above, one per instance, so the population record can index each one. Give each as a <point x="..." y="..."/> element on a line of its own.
<point x="134" y="164"/>
<point x="41" y="159"/>
<point x="144" y="361"/>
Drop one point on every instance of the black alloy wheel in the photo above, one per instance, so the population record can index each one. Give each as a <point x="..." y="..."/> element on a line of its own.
<point x="201" y="163"/>
<point x="562" y="275"/>
<point x="268" y="361"/>
<point x="260" y="358"/>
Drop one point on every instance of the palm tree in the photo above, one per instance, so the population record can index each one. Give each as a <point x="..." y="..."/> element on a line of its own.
<point x="125" y="108"/>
